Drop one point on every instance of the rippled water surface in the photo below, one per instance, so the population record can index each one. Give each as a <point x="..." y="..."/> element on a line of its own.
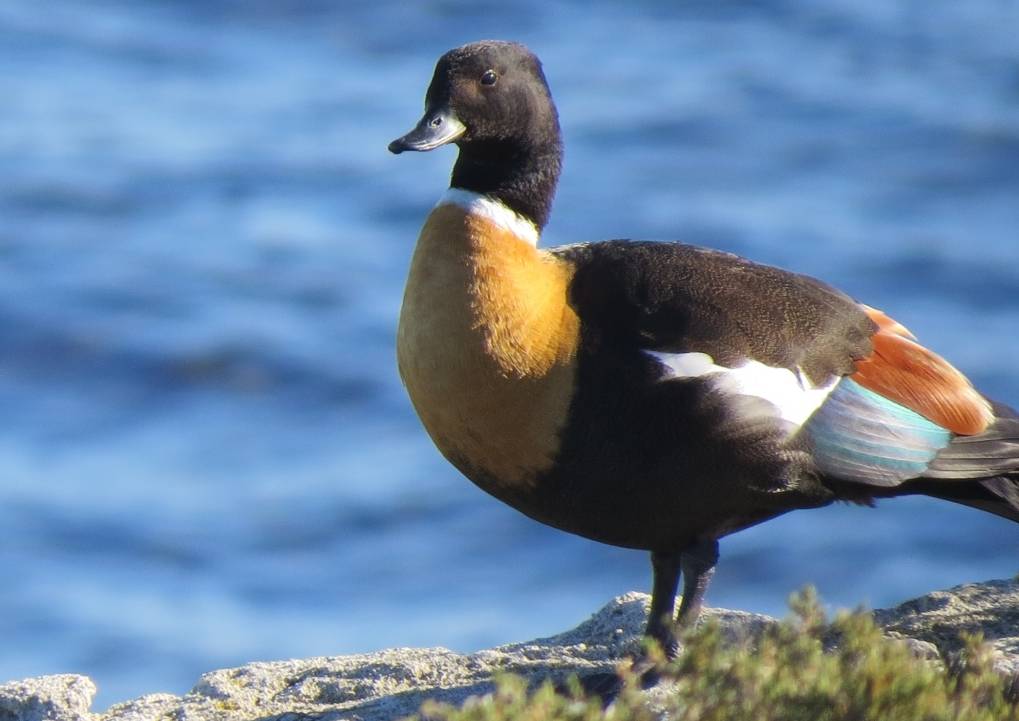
<point x="206" y="456"/>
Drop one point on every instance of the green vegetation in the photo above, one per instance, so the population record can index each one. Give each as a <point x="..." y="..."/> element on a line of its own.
<point x="787" y="677"/>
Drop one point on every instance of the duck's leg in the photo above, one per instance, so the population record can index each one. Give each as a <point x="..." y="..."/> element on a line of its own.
<point x="698" y="567"/>
<point x="697" y="562"/>
<point x="665" y="568"/>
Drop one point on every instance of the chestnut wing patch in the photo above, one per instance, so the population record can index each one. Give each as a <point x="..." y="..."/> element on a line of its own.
<point x="903" y="371"/>
<point x="906" y="413"/>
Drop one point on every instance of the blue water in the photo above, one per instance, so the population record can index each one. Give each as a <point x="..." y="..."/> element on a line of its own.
<point x="206" y="456"/>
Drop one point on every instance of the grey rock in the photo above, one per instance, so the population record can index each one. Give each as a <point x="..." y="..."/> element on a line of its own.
<point x="923" y="650"/>
<point x="990" y="609"/>
<point x="67" y="698"/>
<point x="393" y="683"/>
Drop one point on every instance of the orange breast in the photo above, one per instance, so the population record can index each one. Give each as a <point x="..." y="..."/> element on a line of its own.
<point x="487" y="345"/>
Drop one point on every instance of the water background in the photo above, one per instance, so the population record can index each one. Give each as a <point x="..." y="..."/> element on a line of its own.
<point x="206" y="456"/>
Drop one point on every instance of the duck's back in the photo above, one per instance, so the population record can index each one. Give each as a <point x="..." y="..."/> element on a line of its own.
<point x="677" y="298"/>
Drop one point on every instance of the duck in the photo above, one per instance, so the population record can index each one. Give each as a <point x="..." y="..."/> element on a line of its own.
<point x="656" y="395"/>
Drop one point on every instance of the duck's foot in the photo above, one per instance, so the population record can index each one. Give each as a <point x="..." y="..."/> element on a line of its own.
<point x="606" y="685"/>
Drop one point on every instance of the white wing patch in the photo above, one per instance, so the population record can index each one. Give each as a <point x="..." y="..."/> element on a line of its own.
<point x="794" y="399"/>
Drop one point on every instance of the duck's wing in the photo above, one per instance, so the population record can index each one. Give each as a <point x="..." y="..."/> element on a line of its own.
<point x="848" y="383"/>
<point x="671" y="298"/>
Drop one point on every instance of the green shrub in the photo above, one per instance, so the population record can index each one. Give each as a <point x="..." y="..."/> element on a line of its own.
<point x="786" y="677"/>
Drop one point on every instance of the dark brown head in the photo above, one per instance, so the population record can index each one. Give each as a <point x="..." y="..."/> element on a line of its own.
<point x="491" y="99"/>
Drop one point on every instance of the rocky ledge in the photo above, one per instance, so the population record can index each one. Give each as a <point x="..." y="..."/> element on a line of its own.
<point x="393" y="683"/>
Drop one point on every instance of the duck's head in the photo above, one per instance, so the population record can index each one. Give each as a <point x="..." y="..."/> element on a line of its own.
<point x="491" y="99"/>
<point x="488" y="92"/>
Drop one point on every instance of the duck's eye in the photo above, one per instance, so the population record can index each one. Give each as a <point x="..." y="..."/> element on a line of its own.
<point x="489" y="78"/>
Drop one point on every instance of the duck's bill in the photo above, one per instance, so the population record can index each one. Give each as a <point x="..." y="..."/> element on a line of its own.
<point x="434" y="130"/>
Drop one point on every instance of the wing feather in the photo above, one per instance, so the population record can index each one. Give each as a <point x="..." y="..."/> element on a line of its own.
<point x="903" y="371"/>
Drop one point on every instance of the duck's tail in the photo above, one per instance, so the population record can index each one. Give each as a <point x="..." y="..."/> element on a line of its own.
<point x="998" y="495"/>
<point x="980" y="471"/>
<point x="997" y="450"/>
